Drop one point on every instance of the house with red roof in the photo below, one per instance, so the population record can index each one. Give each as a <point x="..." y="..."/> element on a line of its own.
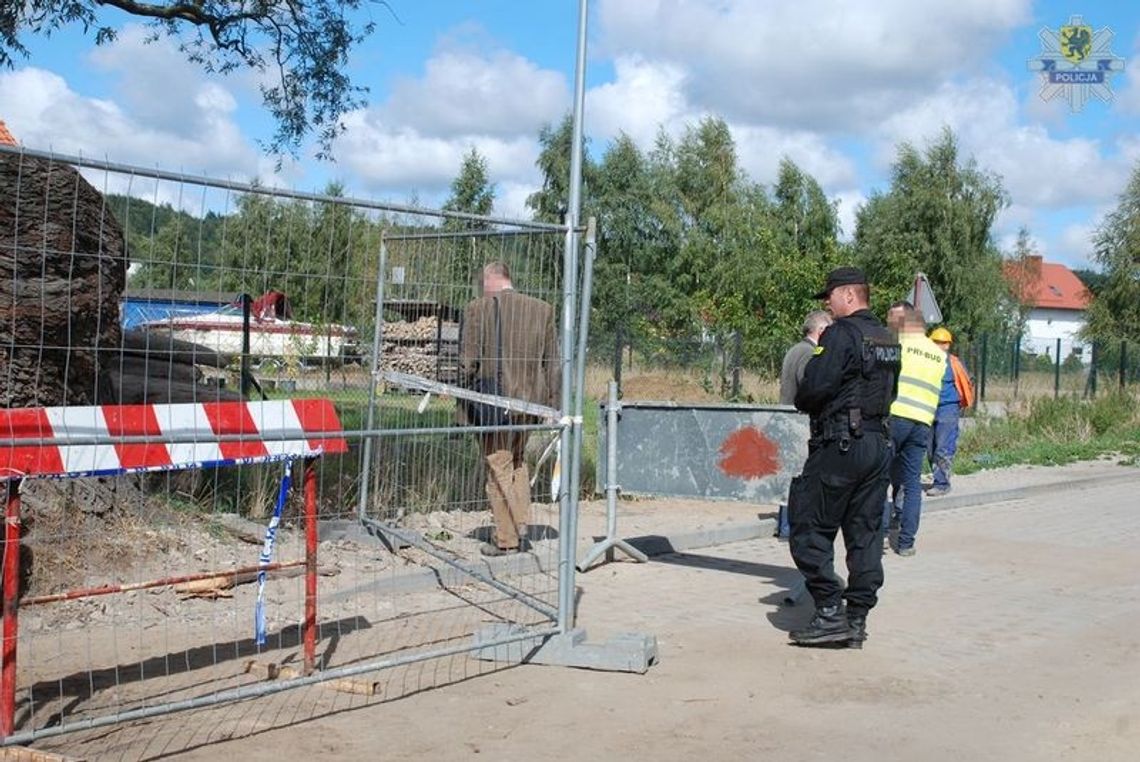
<point x="1057" y="299"/>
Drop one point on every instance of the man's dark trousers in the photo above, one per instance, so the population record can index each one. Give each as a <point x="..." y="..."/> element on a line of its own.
<point x="842" y="488"/>
<point x="910" y="440"/>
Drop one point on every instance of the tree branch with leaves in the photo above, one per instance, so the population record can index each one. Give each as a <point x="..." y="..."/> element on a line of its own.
<point x="301" y="47"/>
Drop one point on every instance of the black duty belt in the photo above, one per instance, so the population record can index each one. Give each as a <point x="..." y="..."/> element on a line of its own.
<point x="839" y="430"/>
<point x="877" y="425"/>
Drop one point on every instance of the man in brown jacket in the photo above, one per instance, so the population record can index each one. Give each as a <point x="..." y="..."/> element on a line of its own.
<point x="529" y="369"/>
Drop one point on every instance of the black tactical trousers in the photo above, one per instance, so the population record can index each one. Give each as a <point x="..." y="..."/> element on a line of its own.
<point x="841" y="488"/>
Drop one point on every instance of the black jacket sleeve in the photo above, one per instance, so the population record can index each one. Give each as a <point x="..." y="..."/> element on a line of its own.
<point x="833" y="361"/>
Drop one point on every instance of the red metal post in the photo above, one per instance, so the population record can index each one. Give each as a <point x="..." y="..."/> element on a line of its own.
<point x="310" y="628"/>
<point x="11" y="609"/>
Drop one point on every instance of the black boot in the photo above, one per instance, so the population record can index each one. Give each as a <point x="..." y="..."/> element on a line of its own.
<point x="827" y="627"/>
<point x="856" y="630"/>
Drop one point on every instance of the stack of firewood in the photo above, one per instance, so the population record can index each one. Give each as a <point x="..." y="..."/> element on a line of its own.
<point x="423" y="329"/>
<point x="417" y="360"/>
<point x="411" y="347"/>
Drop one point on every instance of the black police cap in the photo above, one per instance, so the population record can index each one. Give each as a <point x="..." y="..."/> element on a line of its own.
<point x="842" y="276"/>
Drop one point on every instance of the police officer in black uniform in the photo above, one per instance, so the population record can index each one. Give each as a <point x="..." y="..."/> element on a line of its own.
<point x="847" y="389"/>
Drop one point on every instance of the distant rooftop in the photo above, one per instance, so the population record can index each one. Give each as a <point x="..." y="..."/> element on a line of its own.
<point x="1057" y="288"/>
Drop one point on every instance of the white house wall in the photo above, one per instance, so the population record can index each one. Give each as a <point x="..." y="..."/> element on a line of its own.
<point x="1045" y="326"/>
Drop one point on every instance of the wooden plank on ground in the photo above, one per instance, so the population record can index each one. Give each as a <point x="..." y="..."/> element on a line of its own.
<point x="271" y="671"/>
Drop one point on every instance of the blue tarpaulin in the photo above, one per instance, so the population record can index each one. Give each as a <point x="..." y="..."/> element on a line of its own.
<point x="135" y="311"/>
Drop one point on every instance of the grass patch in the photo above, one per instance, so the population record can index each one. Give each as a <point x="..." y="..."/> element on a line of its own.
<point x="1050" y="432"/>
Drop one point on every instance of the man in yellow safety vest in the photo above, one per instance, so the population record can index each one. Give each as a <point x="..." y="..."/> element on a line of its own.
<point x="912" y="418"/>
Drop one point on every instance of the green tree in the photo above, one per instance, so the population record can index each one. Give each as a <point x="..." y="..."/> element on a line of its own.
<point x="316" y="253"/>
<point x="471" y="193"/>
<point x="1094" y="280"/>
<point x="1115" y="312"/>
<point x="624" y="226"/>
<point x="805" y="218"/>
<point x="1022" y="272"/>
<point x="168" y="248"/>
<point x="302" y="47"/>
<point x="936" y="218"/>
<point x="692" y="253"/>
<point x="551" y="202"/>
<point x="336" y="284"/>
<point x="471" y="190"/>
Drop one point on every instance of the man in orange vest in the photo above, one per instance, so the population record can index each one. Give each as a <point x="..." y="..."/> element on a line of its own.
<point x="957" y="395"/>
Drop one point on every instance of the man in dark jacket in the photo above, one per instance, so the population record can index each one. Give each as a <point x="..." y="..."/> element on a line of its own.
<point x="847" y="390"/>
<point x="510" y="337"/>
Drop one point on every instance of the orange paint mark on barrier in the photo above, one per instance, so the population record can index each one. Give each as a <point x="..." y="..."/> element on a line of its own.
<point x="748" y="454"/>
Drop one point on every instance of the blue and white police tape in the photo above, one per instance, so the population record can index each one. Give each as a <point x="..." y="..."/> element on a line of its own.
<point x="267" y="556"/>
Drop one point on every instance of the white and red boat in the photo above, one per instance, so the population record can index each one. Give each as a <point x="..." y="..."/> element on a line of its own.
<point x="272" y="334"/>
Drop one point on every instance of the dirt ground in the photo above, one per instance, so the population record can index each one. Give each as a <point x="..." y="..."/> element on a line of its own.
<point x="1010" y="636"/>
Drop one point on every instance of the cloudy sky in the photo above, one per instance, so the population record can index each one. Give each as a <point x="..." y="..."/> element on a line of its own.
<point x="833" y="84"/>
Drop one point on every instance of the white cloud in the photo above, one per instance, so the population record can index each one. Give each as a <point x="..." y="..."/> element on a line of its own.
<point x="494" y="101"/>
<point x="1127" y="86"/>
<point x="510" y="200"/>
<point x="45" y="113"/>
<point x="464" y="92"/>
<point x="388" y="158"/>
<point x="1074" y="244"/>
<point x="159" y="87"/>
<point x="643" y="98"/>
<point x="761" y="148"/>
<point x="850" y="202"/>
<point x="815" y="64"/>
<point x="1036" y="168"/>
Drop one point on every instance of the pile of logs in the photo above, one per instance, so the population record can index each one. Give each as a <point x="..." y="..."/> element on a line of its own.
<point x="423" y="329"/>
<point x="411" y="347"/>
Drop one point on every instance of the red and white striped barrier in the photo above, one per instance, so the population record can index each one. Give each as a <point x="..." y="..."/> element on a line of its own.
<point x="81" y="441"/>
<point x="61" y="442"/>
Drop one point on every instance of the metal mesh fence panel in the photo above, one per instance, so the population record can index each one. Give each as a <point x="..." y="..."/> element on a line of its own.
<point x="1004" y="368"/>
<point x="127" y="288"/>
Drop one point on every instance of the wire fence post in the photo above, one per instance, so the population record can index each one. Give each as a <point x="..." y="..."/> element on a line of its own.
<point x="1090" y="385"/>
<point x="737" y="351"/>
<point x="984" y="369"/>
<point x="309" y="627"/>
<point x="1057" y="371"/>
<point x="613" y="489"/>
<point x="11" y="608"/>
<point x="1123" y="362"/>
<point x="243" y="385"/>
<point x="619" y="340"/>
<point x="373" y="381"/>
<point x="568" y="522"/>
<point x="1015" y="366"/>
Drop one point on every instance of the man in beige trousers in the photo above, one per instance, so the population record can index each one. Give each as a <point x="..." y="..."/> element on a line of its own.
<point x="529" y="369"/>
